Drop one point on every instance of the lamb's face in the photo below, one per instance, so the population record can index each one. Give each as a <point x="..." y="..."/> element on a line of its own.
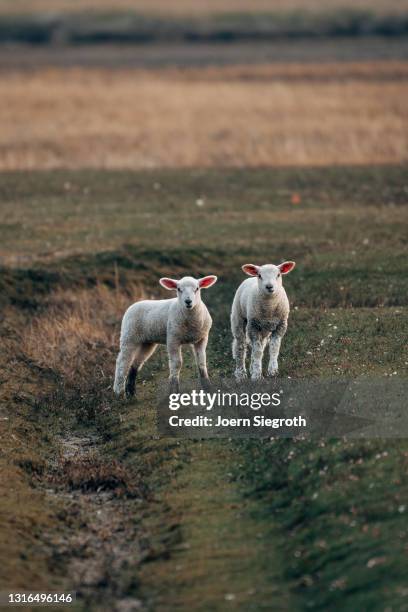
<point x="269" y="276"/>
<point x="269" y="279"/>
<point x="188" y="292"/>
<point x="188" y="289"/>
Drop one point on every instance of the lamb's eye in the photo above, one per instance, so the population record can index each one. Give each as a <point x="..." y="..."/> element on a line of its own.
<point x="260" y="277"/>
<point x="278" y="275"/>
<point x="178" y="289"/>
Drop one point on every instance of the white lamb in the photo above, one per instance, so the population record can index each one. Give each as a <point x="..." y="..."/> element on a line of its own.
<point x="174" y="322"/>
<point x="259" y="316"/>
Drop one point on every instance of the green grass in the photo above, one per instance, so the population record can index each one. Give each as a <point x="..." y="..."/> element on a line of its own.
<point x="323" y="523"/>
<point x="46" y="211"/>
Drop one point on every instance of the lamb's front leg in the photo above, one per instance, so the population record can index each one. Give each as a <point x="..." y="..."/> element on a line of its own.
<point x="239" y="345"/>
<point x="274" y="348"/>
<point x="175" y="363"/>
<point x="257" y="351"/>
<point x="239" y="354"/>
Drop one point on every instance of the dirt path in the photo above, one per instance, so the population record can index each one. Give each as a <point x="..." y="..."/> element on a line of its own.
<point x="199" y="543"/>
<point x="209" y="546"/>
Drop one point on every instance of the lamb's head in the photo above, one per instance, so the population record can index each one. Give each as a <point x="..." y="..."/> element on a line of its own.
<point x="188" y="289"/>
<point x="269" y="276"/>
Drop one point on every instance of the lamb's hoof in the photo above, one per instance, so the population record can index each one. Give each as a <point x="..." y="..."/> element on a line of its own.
<point x="130" y="393"/>
<point x="130" y="385"/>
<point x="240" y="376"/>
<point x="174" y="387"/>
<point x="256" y="377"/>
<point x="206" y="384"/>
<point x="272" y="373"/>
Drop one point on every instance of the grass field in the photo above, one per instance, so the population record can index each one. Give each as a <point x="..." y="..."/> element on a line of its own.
<point x="126" y="517"/>
<point x="313" y="115"/>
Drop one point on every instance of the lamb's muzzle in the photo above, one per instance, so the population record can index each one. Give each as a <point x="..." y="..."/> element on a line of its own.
<point x="259" y="316"/>
<point x="173" y="322"/>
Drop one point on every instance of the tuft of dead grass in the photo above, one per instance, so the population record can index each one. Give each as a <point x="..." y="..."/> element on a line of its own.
<point x="95" y="474"/>
<point x="134" y="119"/>
<point x="78" y="334"/>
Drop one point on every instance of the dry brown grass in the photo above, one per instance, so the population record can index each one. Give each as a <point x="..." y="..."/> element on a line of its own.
<point x="91" y="473"/>
<point x="194" y="6"/>
<point x="99" y="118"/>
<point x="77" y="336"/>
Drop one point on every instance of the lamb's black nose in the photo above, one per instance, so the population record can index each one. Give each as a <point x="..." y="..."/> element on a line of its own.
<point x="269" y="288"/>
<point x="188" y="303"/>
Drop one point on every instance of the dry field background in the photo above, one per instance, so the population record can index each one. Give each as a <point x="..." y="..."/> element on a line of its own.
<point x="194" y="6"/>
<point x="264" y="115"/>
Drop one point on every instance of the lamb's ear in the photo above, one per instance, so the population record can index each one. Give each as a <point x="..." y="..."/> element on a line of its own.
<point x="286" y="267"/>
<point x="250" y="269"/>
<point x="168" y="283"/>
<point x="207" y="281"/>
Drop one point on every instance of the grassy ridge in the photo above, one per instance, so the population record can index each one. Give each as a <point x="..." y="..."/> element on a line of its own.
<point x="341" y="506"/>
<point x="131" y="27"/>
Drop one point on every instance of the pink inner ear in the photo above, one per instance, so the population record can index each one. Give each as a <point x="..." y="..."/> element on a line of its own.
<point x="169" y="283"/>
<point x="207" y="281"/>
<point x="250" y="269"/>
<point x="286" y="266"/>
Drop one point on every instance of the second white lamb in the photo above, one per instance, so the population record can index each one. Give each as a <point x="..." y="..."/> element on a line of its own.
<point x="259" y="317"/>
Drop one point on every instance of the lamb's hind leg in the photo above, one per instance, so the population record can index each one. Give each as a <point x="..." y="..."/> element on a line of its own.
<point x="143" y="353"/>
<point x="123" y="365"/>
